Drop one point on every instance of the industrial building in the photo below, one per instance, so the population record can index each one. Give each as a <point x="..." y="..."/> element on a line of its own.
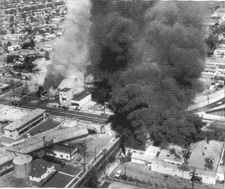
<point x="205" y="158"/>
<point x="75" y="101"/>
<point x="11" y="113"/>
<point x="24" y="124"/>
<point x="63" y="152"/>
<point x="65" y="95"/>
<point x="80" y="99"/>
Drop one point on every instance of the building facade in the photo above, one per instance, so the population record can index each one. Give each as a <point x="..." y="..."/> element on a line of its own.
<point x="63" y="152"/>
<point x="80" y="99"/>
<point x="65" y="95"/>
<point x="24" y="124"/>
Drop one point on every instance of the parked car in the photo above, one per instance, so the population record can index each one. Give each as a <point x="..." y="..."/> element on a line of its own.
<point x="118" y="173"/>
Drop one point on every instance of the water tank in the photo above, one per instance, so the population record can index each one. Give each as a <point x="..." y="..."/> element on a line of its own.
<point x="22" y="166"/>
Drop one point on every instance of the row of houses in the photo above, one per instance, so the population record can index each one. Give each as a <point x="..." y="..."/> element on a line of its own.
<point x="204" y="158"/>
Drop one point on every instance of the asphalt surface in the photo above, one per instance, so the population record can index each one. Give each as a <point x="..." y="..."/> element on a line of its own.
<point x="209" y="106"/>
<point x="68" y="113"/>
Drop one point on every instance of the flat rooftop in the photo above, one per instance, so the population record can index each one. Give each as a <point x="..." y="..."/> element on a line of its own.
<point x="65" y="89"/>
<point x="80" y="96"/>
<point x="202" y="150"/>
<point x="18" y="123"/>
<point x="12" y="113"/>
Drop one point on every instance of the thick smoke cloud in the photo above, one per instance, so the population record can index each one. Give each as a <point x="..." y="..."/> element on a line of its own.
<point x="116" y="36"/>
<point x="174" y="36"/>
<point x="167" y="75"/>
<point x="113" y="43"/>
<point x="71" y="55"/>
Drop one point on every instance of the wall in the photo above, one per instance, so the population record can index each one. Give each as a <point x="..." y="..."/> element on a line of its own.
<point x="169" y="170"/>
<point x="208" y="179"/>
<point x="220" y="176"/>
<point x="83" y="101"/>
<point x="68" y="95"/>
<point x="138" y="161"/>
<point x="62" y="155"/>
<point x="11" y="134"/>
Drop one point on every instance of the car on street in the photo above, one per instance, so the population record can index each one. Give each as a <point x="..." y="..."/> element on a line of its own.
<point x="118" y="173"/>
<point x="219" y="103"/>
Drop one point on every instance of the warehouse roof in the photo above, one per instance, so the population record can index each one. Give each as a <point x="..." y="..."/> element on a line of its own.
<point x="167" y="156"/>
<point x="202" y="150"/>
<point x="152" y="150"/>
<point x="80" y="96"/>
<point x="20" y="122"/>
<point x="65" y="89"/>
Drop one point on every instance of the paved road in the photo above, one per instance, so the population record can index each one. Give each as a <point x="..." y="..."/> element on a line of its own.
<point x="68" y="113"/>
<point x="206" y="102"/>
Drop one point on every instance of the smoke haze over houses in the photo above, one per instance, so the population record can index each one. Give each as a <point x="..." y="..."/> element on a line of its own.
<point x="71" y="55"/>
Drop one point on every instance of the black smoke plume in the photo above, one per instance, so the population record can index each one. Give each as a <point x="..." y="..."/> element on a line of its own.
<point x="167" y="75"/>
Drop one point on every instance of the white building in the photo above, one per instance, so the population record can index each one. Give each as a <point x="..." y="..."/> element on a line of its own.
<point x="80" y="99"/>
<point x="219" y="52"/>
<point x="41" y="170"/>
<point x="203" y="152"/>
<point x="205" y="158"/>
<point x="63" y="152"/>
<point x="144" y="157"/>
<point x="24" y="124"/>
<point x="14" y="47"/>
<point x="65" y="95"/>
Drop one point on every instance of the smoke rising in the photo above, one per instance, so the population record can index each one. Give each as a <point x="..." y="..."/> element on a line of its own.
<point x="38" y="78"/>
<point x="159" y="75"/>
<point x="175" y="40"/>
<point x="71" y="55"/>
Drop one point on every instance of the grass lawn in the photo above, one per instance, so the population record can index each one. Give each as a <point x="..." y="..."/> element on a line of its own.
<point x="49" y="124"/>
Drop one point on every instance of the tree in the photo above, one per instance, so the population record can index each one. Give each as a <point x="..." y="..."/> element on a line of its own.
<point x="47" y="55"/>
<point x="32" y="43"/>
<point x="92" y="179"/>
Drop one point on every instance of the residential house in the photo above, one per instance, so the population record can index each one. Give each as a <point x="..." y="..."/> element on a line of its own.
<point x="41" y="170"/>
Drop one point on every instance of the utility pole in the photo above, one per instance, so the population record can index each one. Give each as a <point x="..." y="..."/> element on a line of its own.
<point x="84" y="158"/>
<point x="95" y="152"/>
<point x="193" y="179"/>
<point x="224" y="146"/>
<point x="84" y="148"/>
<point x="13" y="90"/>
